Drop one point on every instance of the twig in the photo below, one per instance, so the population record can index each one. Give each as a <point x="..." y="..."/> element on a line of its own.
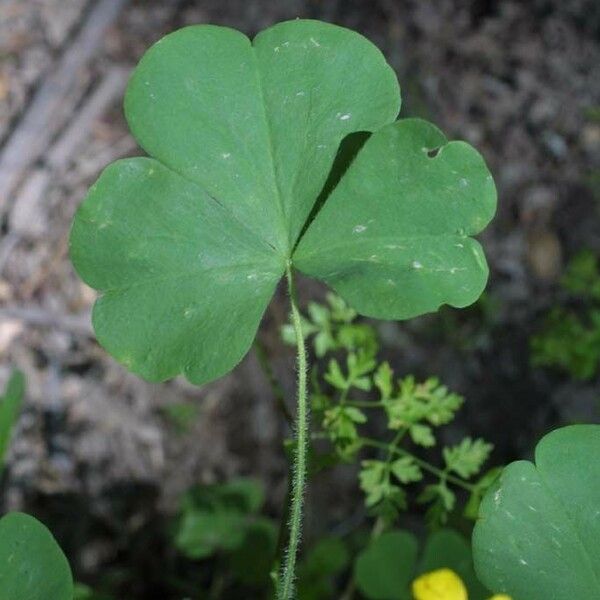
<point x="78" y="324"/>
<point x="33" y="133"/>
<point x="102" y="97"/>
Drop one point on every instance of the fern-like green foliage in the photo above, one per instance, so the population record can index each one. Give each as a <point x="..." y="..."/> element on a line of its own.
<point x="347" y="396"/>
<point x="570" y="336"/>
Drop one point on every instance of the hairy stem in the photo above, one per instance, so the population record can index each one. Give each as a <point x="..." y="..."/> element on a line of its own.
<point x="285" y="589"/>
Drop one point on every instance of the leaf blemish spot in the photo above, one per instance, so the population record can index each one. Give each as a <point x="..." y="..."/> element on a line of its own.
<point x="497" y="497"/>
<point x="225" y="155"/>
<point x="415" y="264"/>
<point x="359" y="228"/>
<point x="315" y="43"/>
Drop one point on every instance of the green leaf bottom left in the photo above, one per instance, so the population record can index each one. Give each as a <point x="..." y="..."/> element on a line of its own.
<point x="32" y="565"/>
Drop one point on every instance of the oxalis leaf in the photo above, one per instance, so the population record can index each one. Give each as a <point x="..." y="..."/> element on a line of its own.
<point x="538" y="534"/>
<point x="32" y="565"/>
<point x="187" y="247"/>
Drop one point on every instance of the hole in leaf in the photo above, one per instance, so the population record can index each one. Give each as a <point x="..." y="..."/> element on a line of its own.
<point x="433" y="152"/>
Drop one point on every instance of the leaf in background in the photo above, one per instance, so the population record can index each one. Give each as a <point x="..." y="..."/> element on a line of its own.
<point x="441" y="500"/>
<point x="447" y="549"/>
<point x="422" y="435"/>
<point x="383" y="380"/>
<point x="10" y="407"/>
<point x="326" y="559"/>
<point x="217" y="517"/>
<point x="187" y="247"/>
<point x="467" y="458"/>
<point x="480" y="487"/>
<point x="538" y="533"/>
<point x="32" y="565"/>
<point x="383" y="570"/>
<point x="406" y="470"/>
<point x="252" y="560"/>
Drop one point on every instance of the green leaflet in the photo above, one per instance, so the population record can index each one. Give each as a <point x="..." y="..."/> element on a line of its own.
<point x="32" y="565"/>
<point x="385" y="569"/>
<point x="10" y="407"/>
<point x="187" y="247"/>
<point x="392" y="237"/>
<point x="538" y="534"/>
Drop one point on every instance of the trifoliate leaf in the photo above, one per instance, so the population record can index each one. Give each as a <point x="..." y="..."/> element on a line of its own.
<point x="335" y="377"/>
<point x="467" y="458"/>
<point x="340" y="423"/>
<point x="441" y="500"/>
<point x="340" y="311"/>
<point x="441" y="405"/>
<point x="384" y="569"/>
<point x="359" y="365"/>
<point x="538" y="532"/>
<point x="373" y="479"/>
<point x="358" y="336"/>
<point x="383" y="380"/>
<point x="187" y="247"/>
<point x="406" y="470"/>
<point x="422" y="435"/>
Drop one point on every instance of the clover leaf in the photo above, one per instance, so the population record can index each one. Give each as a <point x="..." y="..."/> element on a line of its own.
<point x="187" y="247"/>
<point x="538" y="533"/>
<point x="32" y="565"/>
<point x="386" y="567"/>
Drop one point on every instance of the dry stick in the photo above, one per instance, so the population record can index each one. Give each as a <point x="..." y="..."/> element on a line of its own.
<point x="111" y="87"/>
<point x="59" y="156"/>
<point x="33" y="315"/>
<point x="32" y="135"/>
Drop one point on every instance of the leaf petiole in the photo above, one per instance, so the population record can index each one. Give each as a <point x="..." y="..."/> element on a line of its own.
<point x="285" y="588"/>
<point x="421" y="463"/>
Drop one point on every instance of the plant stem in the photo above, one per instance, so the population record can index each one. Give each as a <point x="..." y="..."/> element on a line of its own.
<point x="285" y="589"/>
<point x="423" y="464"/>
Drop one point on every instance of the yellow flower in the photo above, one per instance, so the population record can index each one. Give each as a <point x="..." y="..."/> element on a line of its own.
<point x="442" y="584"/>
